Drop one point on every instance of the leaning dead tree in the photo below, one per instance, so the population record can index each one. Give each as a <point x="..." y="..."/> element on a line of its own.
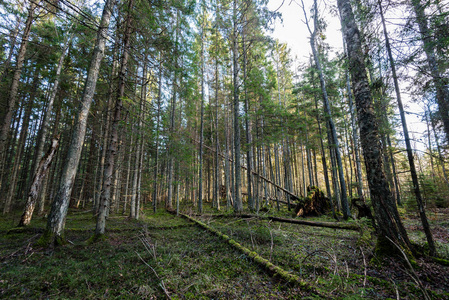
<point x="39" y="176"/>
<point x="294" y="197"/>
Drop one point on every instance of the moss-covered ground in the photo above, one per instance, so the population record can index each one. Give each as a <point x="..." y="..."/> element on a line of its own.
<point x="165" y="256"/>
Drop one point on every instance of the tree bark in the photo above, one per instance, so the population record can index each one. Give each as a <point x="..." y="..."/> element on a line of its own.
<point x="238" y="206"/>
<point x="439" y="80"/>
<point x="355" y="138"/>
<point x="56" y="219"/>
<point x="411" y="161"/>
<point x="54" y="90"/>
<point x="107" y="127"/>
<point x="387" y="216"/>
<point x="105" y="197"/>
<point x="156" y="158"/>
<point x="324" y="162"/>
<point x="217" y="149"/>
<point x="11" y="105"/>
<point x="12" y="44"/>
<point x="39" y="176"/>
<point x="18" y="157"/>
<point x="137" y="162"/>
<point x="200" y="175"/>
<point x="344" y="197"/>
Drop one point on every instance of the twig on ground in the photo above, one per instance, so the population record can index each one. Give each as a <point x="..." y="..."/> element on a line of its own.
<point x="147" y="265"/>
<point x="395" y="289"/>
<point x="250" y="235"/>
<point x="414" y="276"/>
<point x="364" y="264"/>
<point x="151" y="248"/>
<point x="27" y="257"/>
<point x="313" y="253"/>
<point x="347" y="269"/>
<point x="161" y="284"/>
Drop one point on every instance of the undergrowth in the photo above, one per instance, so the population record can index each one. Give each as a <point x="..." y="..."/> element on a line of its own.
<point x="160" y="256"/>
<point x="165" y="256"/>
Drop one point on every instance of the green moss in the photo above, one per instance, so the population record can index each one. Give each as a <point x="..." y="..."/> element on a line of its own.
<point x="441" y="261"/>
<point x="367" y="234"/>
<point x="278" y="272"/>
<point x="50" y="239"/>
<point x="385" y="248"/>
<point x="24" y="229"/>
<point x="96" y="237"/>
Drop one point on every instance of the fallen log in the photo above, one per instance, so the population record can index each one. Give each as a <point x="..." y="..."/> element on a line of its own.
<point x="317" y="224"/>
<point x="343" y="226"/>
<point x="272" y="268"/>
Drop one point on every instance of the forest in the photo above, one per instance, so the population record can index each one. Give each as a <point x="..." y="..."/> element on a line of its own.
<point x="178" y="149"/>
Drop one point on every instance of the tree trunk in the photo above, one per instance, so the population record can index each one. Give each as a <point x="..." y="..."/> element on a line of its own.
<point x="387" y="216"/>
<point x="105" y="197"/>
<point x="107" y="125"/>
<point x="12" y="44"/>
<point x="39" y="176"/>
<point x="333" y="169"/>
<point x="440" y="81"/>
<point x="355" y="138"/>
<point x="156" y="158"/>
<point x="54" y="90"/>
<point x="238" y="206"/>
<point x="18" y="157"/>
<point x="43" y="194"/>
<point x="200" y="175"/>
<point x="344" y="199"/>
<point x="249" y="153"/>
<point x="419" y="200"/>
<point x="395" y="175"/>
<point x="139" y="141"/>
<point x="217" y="149"/>
<point x="324" y="162"/>
<point x="227" y="166"/>
<point x="11" y="105"/>
<point x="56" y="219"/>
<point x="128" y="175"/>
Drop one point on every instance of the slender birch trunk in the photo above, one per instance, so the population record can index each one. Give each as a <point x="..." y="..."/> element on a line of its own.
<point x="200" y="175"/>
<point x="238" y="206"/>
<point x="112" y="151"/>
<point x="58" y="213"/>
<point x="156" y="159"/>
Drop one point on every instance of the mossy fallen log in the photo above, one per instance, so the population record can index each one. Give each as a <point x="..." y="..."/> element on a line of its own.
<point x="343" y="226"/>
<point x="275" y="270"/>
<point x="169" y="227"/>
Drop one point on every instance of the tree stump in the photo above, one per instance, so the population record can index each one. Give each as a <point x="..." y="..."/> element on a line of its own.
<point x="314" y="204"/>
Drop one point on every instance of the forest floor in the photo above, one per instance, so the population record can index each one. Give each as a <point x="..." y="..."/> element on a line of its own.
<point x="165" y="256"/>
